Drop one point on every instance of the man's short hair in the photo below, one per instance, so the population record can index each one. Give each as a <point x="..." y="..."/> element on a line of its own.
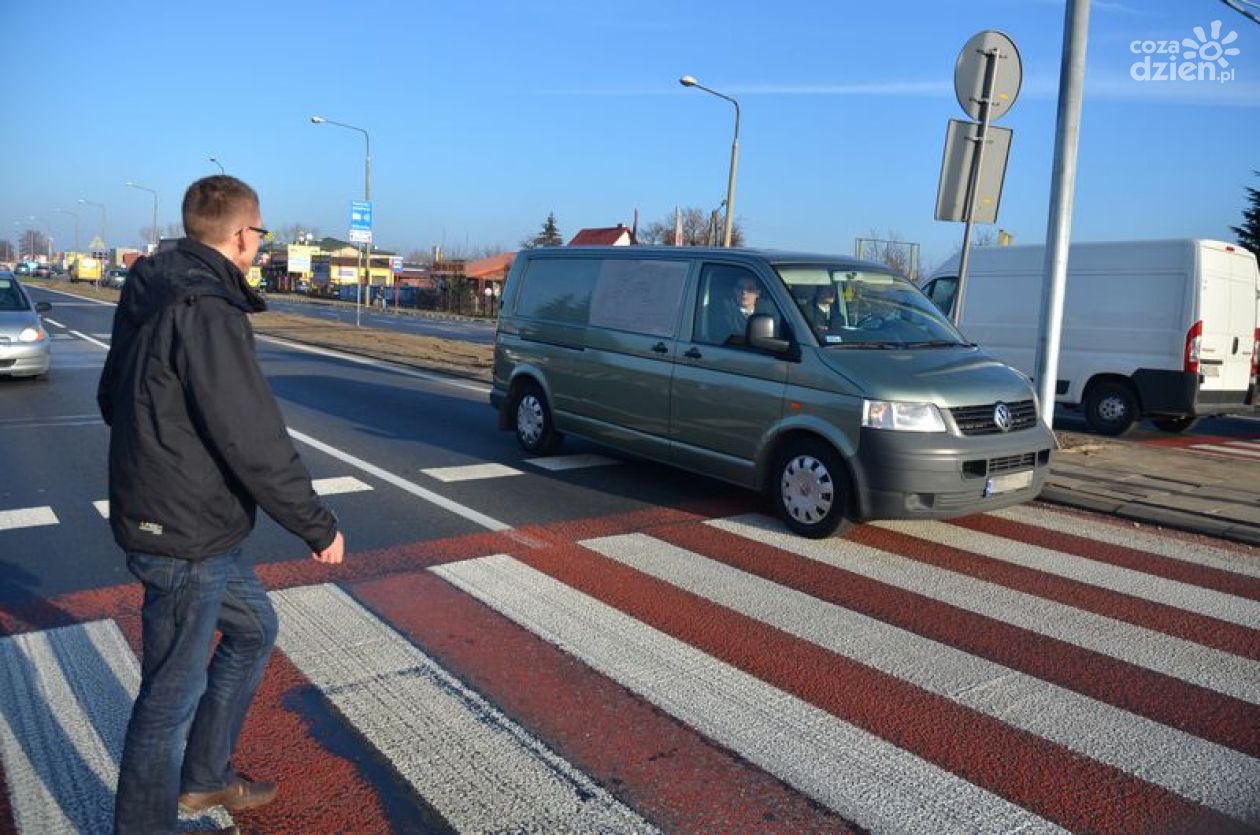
<point x="213" y="204"/>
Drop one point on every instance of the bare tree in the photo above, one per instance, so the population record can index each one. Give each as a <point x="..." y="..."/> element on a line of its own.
<point x="31" y="243"/>
<point x="698" y="229"/>
<point x="296" y="231"/>
<point x="890" y="248"/>
<point x="7" y="251"/>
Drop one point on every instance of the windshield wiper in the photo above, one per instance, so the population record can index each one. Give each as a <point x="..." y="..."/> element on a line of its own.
<point x="942" y="343"/>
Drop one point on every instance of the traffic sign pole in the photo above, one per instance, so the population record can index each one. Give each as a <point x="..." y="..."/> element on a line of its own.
<point x="991" y="58"/>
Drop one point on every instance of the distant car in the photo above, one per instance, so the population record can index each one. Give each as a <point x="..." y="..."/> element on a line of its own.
<point x="114" y="277"/>
<point x="41" y="271"/>
<point x="24" y="344"/>
<point x="22" y="269"/>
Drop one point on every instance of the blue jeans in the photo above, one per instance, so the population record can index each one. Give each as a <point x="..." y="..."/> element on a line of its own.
<point x="188" y="714"/>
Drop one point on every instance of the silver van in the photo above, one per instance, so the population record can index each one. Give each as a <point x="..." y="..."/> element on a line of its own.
<point x="834" y="385"/>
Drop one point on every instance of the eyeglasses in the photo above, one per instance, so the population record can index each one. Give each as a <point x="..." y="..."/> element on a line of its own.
<point x="264" y="235"/>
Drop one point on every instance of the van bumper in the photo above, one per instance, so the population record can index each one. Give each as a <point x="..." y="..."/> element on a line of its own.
<point x="1178" y="393"/>
<point x="910" y="475"/>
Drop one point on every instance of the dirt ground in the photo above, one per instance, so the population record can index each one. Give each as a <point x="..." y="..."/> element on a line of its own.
<point x="445" y="356"/>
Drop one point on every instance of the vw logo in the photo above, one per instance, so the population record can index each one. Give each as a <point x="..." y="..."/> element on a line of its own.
<point x="1002" y="417"/>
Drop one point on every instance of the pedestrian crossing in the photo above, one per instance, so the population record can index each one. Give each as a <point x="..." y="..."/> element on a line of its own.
<point x="1242" y="450"/>
<point x="1026" y="670"/>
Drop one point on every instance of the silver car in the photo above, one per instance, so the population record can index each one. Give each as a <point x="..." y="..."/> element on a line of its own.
<point x="24" y="344"/>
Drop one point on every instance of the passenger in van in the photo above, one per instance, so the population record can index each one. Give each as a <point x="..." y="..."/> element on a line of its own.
<point x="743" y="302"/>
<point x="820" y="309"/>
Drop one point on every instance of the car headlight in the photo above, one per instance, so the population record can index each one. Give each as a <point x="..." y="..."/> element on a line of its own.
<point x="905" y="417"/>
<point x="32" y="335"/>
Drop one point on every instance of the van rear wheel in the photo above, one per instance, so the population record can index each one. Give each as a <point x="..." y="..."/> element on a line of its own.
<point x="1111" y="407"/>
<point x="1175" y="424"/>
<point x="812" y="490"/>
<point x="535" y="431"/>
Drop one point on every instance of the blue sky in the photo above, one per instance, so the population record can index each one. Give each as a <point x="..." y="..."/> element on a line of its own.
<point x="485" y="116"/>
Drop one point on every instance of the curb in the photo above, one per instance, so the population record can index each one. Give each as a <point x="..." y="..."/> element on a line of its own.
<point x="1148" y="514"/>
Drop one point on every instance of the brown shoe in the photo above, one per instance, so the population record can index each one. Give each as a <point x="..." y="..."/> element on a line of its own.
<point x="235" y="797"/>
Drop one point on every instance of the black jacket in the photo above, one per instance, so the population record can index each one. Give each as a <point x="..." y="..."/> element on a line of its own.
<point x="197" y="441"/>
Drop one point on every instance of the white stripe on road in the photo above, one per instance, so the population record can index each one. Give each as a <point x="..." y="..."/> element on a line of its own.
<point x="1220" y="671"/>
<point x="336" y="486"/>
<point x="27" y="517"/>
<point x="470" y="472"/>
<point x="1142" y="747"/>
<point x="1130" y="535"/>
<point x="478" y="769"/>
<point x="403" y="484"/>
<point x="53" y="322"/>
<point x="102" y="507"/>
<point x="65" y="699"/>
<point x="1228" y="450"/>
<point x="843" y="767"/>
<point x="571" y="462"/>
<point x="87" y="338"/>
<point x="79" y="301"/>
<point x="1226" y="607"/>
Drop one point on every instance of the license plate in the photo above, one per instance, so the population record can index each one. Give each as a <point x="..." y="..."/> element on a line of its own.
<point x="1008" y="483"/>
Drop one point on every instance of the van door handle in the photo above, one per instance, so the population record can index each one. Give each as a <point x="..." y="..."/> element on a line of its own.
<point x="1235" y="345"/>
<point x="692" y="354"/>
<point x="661" y="348"/>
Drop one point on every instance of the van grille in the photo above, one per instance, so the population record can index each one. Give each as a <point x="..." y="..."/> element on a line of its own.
<point x="978" y="420"/>
<point x="1012" y="463"/>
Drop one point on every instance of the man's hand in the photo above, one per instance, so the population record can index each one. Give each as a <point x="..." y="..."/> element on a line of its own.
<point x="333" y="554"/>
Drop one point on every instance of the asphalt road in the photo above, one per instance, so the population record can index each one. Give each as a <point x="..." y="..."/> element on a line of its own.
<point x="480" y="331"/>
<point x="622" y="647"/>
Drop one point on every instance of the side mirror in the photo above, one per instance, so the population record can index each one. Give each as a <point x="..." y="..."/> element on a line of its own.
<point x="42" y="307"/>
<point x="760" y="334"/>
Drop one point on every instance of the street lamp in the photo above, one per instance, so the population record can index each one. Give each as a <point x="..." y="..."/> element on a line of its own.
<point x="104" y="220"/>
<point x="367" y="197"/>
<point x="689" y="81"/>
<point x="216" y="162"/>
<point x="153" y="229"/>
<point x="76" y="225"/>
<point x="49" y="227"/>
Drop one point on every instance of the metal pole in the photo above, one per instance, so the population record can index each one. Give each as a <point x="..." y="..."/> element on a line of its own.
<point x="973" y="185"/>
<point x="688" y="81"/>
<point x="76" y="226"/>
<point x="367" y="196"/>
<point x="1063" y="186"/>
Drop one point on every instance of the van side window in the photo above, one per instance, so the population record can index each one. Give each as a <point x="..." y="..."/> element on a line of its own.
<point x="558" y="290"/>
<point x="728" y="295"/>
<point x="639" y="296"/>
<point x="941" y="292"/>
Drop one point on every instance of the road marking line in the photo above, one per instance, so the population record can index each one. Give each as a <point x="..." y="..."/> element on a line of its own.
<point x="102" y="507"/>
<point x="87" y="338"/>
<point x="383" y="365"/>
<point x="800" y="743"/>
<point x="27" y="517"/>
<point x="571" y="462"/>
<point x="480" y="770"/>
<point x="1226" y="607"/>
<point x="1142" y="747"/>
<point x="336" y="486"/>
<point x="470" y="472"/>
<point x="53" y="322"/>
<point x="65" y="700"/>
<point x="1129" y="536"/>
<point x="83" y="300"/>
<point x="1211" y="668"/>
<point x="403" y="484"/>
<point x="1228" y="450"/>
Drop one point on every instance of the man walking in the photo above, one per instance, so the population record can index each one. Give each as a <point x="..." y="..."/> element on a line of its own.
<point x="197" y="444"/>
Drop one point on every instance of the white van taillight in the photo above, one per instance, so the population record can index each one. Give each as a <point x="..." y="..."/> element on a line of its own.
<point x="1255" y="354"/>
<point x="1194" y="336"/>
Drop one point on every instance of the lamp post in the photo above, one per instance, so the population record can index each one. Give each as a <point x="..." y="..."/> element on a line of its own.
<point x="216" y="162"/>
<point x="48" y="225"/>
<point x="74" y="215"/>
<point x="689" y="81"/>
<point x="104" y="220"/>
<point x="152" y="229"/>
<point x="367" y="197"/>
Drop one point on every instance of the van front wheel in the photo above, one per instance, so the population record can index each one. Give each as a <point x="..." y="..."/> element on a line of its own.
<point x="811" y="489"/>
<point x="1110" y="408"/>
<point x="535" y="431"/>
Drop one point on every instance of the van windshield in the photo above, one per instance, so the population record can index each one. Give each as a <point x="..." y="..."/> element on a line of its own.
<point x="866" y="309"/>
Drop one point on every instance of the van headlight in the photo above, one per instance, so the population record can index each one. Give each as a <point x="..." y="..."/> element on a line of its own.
<point x="906" y="417"/>
<point x="32" y="335"/>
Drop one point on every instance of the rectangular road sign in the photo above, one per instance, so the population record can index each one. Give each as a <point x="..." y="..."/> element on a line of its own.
<point x="961" y="141"/>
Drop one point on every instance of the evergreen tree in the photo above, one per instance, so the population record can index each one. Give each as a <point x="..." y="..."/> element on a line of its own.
<point x="1249" y="233"/>
<point x="549" y="236"/>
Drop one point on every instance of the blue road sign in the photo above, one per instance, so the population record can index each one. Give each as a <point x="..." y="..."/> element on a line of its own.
<point x="360" y="216"/>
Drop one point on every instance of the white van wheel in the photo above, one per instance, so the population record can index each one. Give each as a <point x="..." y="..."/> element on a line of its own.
<point x="534" y="429"/>
<point x="1110" y="407"/>
<point x="811" y="489"/>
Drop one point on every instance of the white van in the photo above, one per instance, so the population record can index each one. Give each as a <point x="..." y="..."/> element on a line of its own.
<point x="1160" y="329"/>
